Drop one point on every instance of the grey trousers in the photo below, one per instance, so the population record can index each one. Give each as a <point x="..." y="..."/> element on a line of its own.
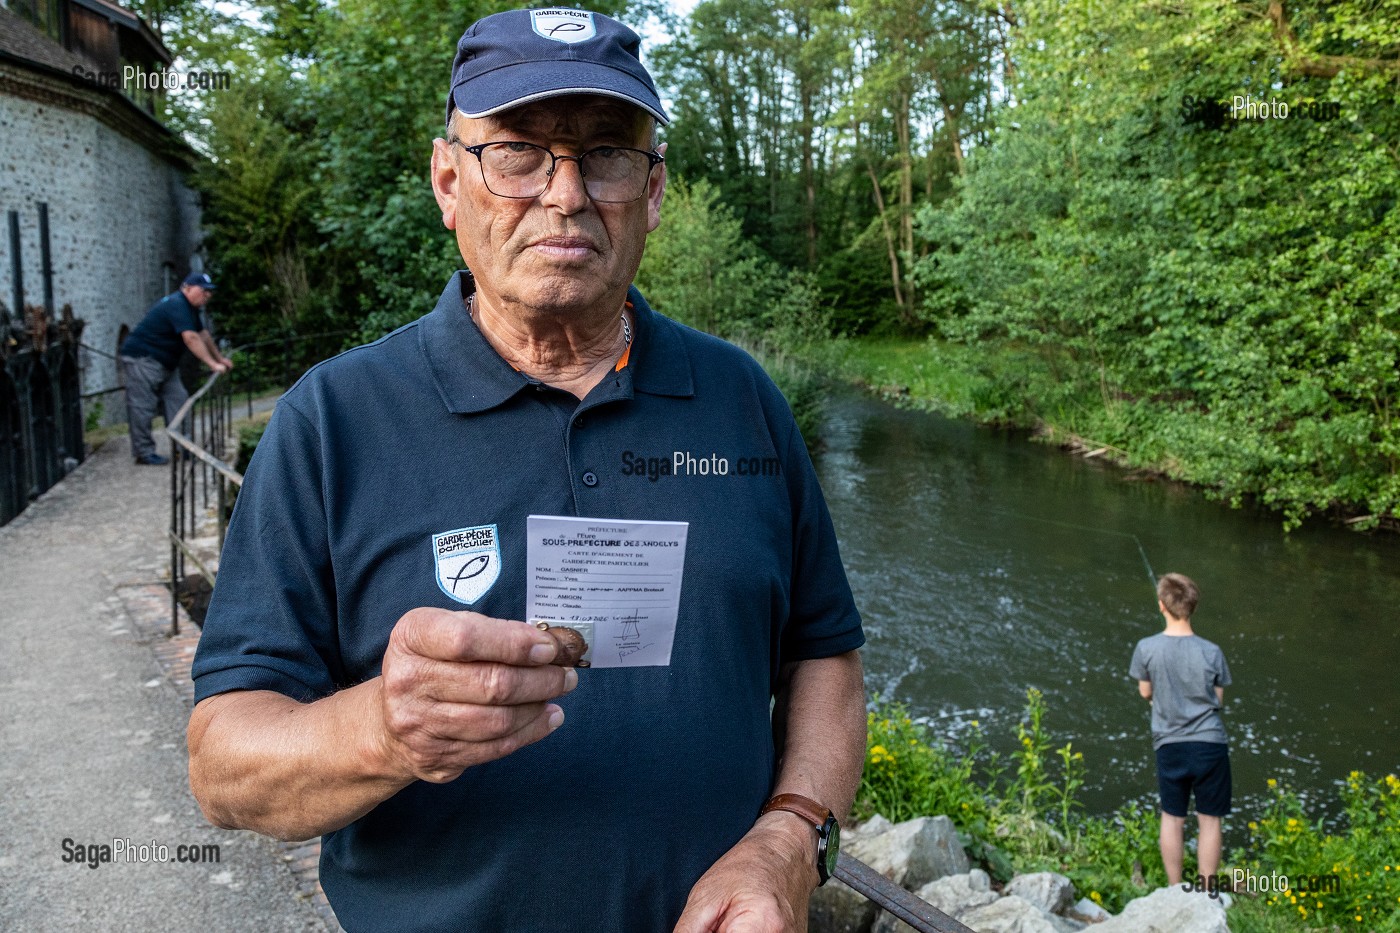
<point x="147" y="384"/>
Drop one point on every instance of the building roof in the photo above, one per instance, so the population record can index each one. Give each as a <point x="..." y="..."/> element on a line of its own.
<point x="32" y="65"/>
<point x="124" y="17"/>
<point x="21" y="40"/>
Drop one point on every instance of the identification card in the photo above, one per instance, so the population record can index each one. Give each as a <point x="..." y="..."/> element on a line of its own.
<point x="618" y="583"/>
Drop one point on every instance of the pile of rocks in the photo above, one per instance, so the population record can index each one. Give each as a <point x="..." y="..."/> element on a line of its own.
<point x="925" y="856"/>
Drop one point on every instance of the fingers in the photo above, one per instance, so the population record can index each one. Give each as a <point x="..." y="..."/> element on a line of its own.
<point x="452" y="739"/>
<point x="487" y="682"/>
<point x="460" y="688"/>
<point x="470" y="636"/>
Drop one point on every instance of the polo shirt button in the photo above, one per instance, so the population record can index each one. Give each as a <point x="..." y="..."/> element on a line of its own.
<point x="590" y="478"/>
<point x="578" y="422"/>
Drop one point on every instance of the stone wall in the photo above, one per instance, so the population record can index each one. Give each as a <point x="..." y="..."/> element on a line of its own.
<point x="123" y="226"/>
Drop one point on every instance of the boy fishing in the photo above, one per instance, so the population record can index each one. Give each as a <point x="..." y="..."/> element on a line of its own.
<point x="1184" y="677"/>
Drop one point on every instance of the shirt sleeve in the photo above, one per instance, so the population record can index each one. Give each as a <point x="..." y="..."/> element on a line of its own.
<point x="185" y="317"/>
<point x="271" y="623"/>
<point x="1138" y="668"/>
<point x="1222" y="675"/>
<point x="823" y="621"/>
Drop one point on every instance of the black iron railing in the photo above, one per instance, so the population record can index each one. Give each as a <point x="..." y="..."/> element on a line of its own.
<point x="41" y="406"/>
<point x="200" y="478"/>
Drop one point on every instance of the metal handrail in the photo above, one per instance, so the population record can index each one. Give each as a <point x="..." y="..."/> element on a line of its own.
<point x="918" y="913"/>
<point x="194" y="468"/>
<point x="198" y="468"/>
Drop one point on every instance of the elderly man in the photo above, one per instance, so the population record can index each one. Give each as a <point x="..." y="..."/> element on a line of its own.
<point x="460" y="780"/>
<point x="150" y="360"/>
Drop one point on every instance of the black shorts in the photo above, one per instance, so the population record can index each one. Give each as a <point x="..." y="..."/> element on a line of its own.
<point x="1202" y="767"/>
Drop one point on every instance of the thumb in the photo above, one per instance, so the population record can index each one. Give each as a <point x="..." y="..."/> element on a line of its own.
<point x="699" y="918"/>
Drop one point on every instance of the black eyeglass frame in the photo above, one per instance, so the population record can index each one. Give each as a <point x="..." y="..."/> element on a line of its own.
<point x="653" y="160"/>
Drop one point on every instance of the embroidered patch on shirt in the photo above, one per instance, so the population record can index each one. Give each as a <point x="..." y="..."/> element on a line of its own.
<point x="468" y="562"/>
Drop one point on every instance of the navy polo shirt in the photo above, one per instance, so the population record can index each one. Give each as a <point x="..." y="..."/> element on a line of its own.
<point x="657" y="771"/>
<point x="159" y="333"/>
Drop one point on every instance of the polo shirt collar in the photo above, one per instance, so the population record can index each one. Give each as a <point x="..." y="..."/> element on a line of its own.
<point x="472" y="377"/>
<point x="660" y="363"/>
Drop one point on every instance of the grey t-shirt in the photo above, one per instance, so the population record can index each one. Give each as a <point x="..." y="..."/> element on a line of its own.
<point x="1184" y="671"/>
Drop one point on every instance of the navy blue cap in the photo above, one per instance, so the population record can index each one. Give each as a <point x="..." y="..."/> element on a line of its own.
<point x="199" y="278"/>
<point x="512" y="58"/>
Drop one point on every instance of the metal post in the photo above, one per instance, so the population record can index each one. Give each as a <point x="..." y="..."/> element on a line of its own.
<point x="16" y="266"/>
<point x="45" y="265"/>
<point x="175" y="569"/>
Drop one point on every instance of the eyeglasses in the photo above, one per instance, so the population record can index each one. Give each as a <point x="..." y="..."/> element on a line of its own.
<point x="611" y="174"/>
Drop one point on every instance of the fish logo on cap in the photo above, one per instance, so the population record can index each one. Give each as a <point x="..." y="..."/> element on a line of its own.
<point x="561" y="25"/>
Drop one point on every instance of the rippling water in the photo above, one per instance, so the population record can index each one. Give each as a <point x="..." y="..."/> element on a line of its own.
<point x="973" y="585"/>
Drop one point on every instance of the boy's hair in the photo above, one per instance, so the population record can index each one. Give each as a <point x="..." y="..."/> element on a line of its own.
<point x="1179" y="594"/>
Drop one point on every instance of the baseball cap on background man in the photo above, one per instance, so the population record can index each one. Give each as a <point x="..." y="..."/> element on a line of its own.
<point x="201" y="279"/>
<point x="512" y="58"/>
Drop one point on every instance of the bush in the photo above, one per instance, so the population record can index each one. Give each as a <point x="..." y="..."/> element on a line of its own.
<point x="1364" y="861"/>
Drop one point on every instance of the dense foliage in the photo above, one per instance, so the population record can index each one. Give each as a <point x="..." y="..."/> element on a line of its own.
<point x="1061" y="194"/>
<point x="1215" y="297"/>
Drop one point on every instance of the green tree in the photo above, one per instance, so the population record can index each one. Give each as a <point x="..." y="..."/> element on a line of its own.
<point x="699" y="269"/>
<point x="1218" y="301"/>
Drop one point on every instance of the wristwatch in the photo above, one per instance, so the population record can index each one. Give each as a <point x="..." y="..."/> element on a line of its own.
<point x="828" y="830"/>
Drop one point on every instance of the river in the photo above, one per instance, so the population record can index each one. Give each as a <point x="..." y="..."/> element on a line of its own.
<point x="974" y="586"/>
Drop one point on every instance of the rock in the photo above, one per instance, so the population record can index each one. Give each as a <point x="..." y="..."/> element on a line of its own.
<point x="954" y="895"/>
<point x="1065" y="924"/>
<point x="957" y="894"/>
<point x="1086" y="910"/>
<point x="874" y="826"/>
<point x="835" y="908"/>
<point x="914" y="852"/>
<point x="1050" y="892"/>
<point x="1169" y="910"/>
<point x="910" y="854"/>
<point x="1009" y="914"/>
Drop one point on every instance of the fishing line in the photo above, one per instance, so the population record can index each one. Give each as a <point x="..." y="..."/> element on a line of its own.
<point x="1103" y="531"/>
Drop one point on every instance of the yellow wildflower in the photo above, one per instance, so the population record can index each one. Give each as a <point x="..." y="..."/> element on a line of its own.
<point x="1272" y="783"/>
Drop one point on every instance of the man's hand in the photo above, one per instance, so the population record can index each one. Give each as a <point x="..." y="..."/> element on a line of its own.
<point x="761" y="885"/>
<point x="459" y="689"/>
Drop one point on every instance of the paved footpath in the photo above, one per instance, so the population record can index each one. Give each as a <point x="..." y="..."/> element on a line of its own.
<point x="94" y="699"/>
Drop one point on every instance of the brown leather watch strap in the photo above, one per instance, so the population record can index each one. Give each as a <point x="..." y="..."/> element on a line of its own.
<point x="805" y="807"/>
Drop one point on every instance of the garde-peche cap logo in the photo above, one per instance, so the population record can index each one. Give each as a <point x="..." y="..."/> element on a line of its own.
<point x="564" y="25"/>
<point x="468" y="562"/>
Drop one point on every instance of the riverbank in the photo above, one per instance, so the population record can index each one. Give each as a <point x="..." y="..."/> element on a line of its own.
<point x="1224" y="455"/>
<point x="1019" y="813"/>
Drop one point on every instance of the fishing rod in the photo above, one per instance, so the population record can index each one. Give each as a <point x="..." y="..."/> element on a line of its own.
<point x="1103" y="531"/>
